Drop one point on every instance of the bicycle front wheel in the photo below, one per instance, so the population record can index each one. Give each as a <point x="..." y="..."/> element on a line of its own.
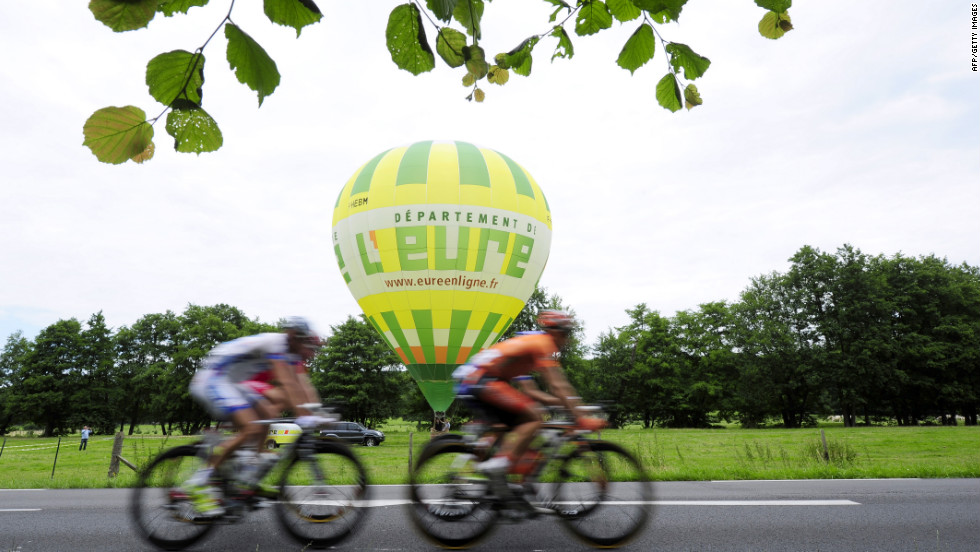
<point x="161" y="510"/>
<point x="449" y="504"/>
<point x="323" y="495"/>
<point x="603" y="496"/>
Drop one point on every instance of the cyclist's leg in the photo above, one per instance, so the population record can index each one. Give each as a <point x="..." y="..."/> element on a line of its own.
<point x="519" y="412"/>
<point x="225" y="400"/>
<point x="242" y="419"/>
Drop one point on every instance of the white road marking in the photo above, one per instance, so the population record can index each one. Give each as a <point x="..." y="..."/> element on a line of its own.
<point x="400" y="502"/>
<point x="757" y="503"/>
<point x="20" y="509"/>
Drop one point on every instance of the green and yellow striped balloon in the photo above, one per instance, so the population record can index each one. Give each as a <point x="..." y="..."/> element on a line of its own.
<point x="441" y="244"/>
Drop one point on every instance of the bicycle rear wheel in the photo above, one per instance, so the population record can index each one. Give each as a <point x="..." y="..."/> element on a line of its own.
<point x="163" y="512"/>
<point x="449" y="504"/>
<point x="322" y="495"/>
<point x="603" y="496"/>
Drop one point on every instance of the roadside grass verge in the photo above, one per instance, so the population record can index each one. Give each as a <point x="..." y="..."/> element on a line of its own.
<point x="667" y="454"/>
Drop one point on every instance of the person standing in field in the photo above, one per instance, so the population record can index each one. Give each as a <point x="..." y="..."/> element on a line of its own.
<point x="85" y="434"/>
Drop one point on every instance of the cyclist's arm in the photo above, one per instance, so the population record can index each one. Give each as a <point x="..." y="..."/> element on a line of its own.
<point x="558" y="384"/>
<point x="292" y="387"/>
<point x="528" y="386"/>
<point x="311" y="396"/>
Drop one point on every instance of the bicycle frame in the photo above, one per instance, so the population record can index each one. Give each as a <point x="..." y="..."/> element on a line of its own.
<point x="556" y="433"/>
<point x="303" y="447"/>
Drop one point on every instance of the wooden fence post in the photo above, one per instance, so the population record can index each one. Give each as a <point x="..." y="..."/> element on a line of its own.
<point x="826" y="452"/>
<point x="410" y="434"/>
<point x="114" y="459"/>
<point x="55" y="458"/>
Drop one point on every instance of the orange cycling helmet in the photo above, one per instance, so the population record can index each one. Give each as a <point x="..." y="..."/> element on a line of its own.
<point x="556" y="320"/>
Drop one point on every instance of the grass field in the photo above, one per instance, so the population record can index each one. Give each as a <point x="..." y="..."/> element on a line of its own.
<point x="667" y="454"/>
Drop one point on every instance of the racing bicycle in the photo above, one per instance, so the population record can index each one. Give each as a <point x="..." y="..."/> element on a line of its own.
<point x="319" y="500"/>
<point x="597" y="489"/>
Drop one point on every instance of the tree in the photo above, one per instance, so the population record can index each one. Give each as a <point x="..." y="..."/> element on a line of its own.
<point x="703" y="337"/>
<point x="357" y="369"/>
<point x="97" y="396"/>
<point x="634" y="371"/>
<point x="49" y="375"/>
<point x="856" y="327"/>
<point x="608" y="377"/>
<point x="614" y="377"/>
<point x="176" y="78"/>
<point x="935" y="328"/>
<point x="778" y="349"/>
<point x="12" y="363"/>
<point x="145" y="354"/>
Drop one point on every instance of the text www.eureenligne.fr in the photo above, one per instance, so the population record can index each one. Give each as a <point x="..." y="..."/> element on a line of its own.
<point x="464" y="282"/>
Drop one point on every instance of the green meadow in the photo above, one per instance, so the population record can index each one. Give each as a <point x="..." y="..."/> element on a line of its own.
<point x="667" y="454"/>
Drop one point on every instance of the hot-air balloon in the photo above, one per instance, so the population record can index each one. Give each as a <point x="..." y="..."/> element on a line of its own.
<point x="441" y="243"/>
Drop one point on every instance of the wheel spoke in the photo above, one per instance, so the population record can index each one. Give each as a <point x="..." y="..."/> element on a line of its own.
<point x="449" y="497"/>
<point x="161" y="510"/>
<point x="322" y="496"/>
<point x="603" y="498"/>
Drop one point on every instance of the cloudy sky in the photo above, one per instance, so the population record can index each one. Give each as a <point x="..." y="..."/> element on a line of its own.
<point x="860" y="126"/>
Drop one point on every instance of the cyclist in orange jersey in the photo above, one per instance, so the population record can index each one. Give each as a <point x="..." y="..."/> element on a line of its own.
<point x="486" y="381"/>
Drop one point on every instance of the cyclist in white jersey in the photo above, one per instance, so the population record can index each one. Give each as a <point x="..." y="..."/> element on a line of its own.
<point x="231" y="384"/>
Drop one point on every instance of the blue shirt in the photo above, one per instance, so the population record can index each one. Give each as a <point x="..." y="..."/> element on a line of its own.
<point x="86" y="433"/>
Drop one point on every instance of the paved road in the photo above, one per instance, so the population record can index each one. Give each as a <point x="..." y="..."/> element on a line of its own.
<point x="841" y="516"/>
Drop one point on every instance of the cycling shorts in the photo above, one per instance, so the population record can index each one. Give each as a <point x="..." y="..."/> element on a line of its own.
<point x="500" y="402"/>
<point x="221" y="397"/>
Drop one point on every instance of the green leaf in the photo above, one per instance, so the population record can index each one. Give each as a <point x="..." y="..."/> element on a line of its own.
<point x="406" y="40"/>
<point x="117" y="134"/>
<point x="564" y="48"/>
<point x="469" y="13"/>
<point x="662" y="10"/>
<point x="124" y="15"/>
<point x="518" y="59"/>
<point x="498" y="75"/>
<point x="443" y="9"/>
<point x="559" y="6"/>
<point x="682" y="55"/>
<point x="292" y="13"/>
<point x="638" y="50"/>
<point x="669" y="92"/>
<point x="177" y="74"/>
<point x="623" y="10"/>
<point x="171" y="7"/>
<point x="775" y="25"/>
<point x="476" y="61"/>
<point x="593" y="17"/>
<point x="778" y="6"/>
<point x="449" y="46"/>
<point x="194" y="131"/>
<point x="253" y="67"/>
<point x="691" y="97"/>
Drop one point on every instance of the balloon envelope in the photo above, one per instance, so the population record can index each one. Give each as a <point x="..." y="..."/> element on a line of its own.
<point x="441" y="244"/>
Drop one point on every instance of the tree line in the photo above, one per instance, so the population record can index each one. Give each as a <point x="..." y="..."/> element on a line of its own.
<point x="864" y="337"/>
